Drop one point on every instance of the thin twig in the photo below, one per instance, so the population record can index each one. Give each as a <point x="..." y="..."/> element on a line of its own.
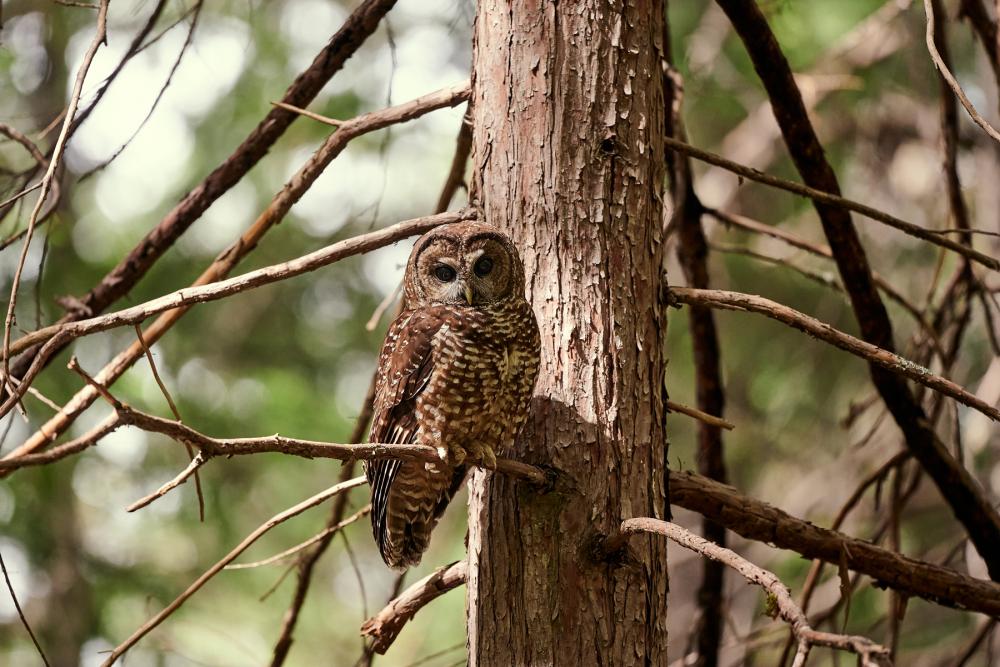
<point x="743" y="222"/>
<point x="833" y="200"/>
<point x="280" y="204"/>
<point x="309" y="114"/>
<point x="100" y="37"/>
<point x="950" y="78"/>
<point x="703" y="417"/>
<point x="779" y="599"/>
<point x="279" y="518"/>
<point x="291" y="551"/>
<point x="20" y="612"/>
<point x="197" y="461"/>
<point x="177" y="415"/>
<point x="813" y="327"/>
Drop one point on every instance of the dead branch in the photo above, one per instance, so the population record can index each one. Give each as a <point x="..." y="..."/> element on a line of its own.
<point x="291" y="551"/>
<point x="41" y="164"/>
<point x="758" y="521"/>
<point x="20" y="613"/>
<point x="830" y="199"/>
<point x="281" y="517"/>
<point x="703" y="417"/>
<point x="307" y="562"/>
<point x="344" y="43"/>
<point x="193" y="468"/>
<point x="197" y="461"/>
<point x="743" y="222"/>
<point x="100" y="37"/>
<point x="961" y="492"/>
<point x="824" y="332"/>
<point x="779" y="599"/>
<point x="75" y="446"/>
<point x="215" y="272"/>
<point x="386" y="625"/>
<point x="942" y="67"/>
<point x="985" y="29"/>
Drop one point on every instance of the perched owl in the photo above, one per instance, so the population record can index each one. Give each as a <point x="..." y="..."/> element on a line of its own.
<point x="456" y="372"/>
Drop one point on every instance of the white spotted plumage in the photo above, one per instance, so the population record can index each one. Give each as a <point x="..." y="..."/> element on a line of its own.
<point x="453" y="374"/>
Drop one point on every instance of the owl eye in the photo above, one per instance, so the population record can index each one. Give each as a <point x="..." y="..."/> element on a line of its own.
<point x="483" y="267"/>
<point x="444" y="273"/>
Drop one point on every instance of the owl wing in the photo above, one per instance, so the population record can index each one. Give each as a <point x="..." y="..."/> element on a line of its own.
<point x="405" y="366"/>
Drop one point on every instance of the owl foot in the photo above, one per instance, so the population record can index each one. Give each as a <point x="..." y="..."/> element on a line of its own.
<point x="453" y="456"/>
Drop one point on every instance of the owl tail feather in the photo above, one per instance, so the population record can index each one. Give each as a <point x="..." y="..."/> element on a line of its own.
<point x="416" y="500"/>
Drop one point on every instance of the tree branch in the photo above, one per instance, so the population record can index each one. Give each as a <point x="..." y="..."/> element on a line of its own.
<point x="281" y="517"/>
<point x="942" y="67"/>
<point x="356" y="29"/>
<point x="758" y="521"/>
<point x="965" y="497"/>
<point x="779" y="599"/>
<point x="386" y="625"/>
<point x="824" y="197"/>
<point x="824" y="332"/>
<point x="100" y="37"/>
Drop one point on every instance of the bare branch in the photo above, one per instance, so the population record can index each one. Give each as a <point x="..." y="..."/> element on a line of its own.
<point x="385" y="626"/>
<point x="758" y="521"/>
<point x="950" y="78"/>
<point x="824" y="332"/>
<point x="279" y="518"/>
<point x="197" y="461"/>
<point x="833" y="200"/>
<point x="100" y="37"/>
<point x="307" y="563"/>
<point x="779" y="599"/>
<point x="291" y="551"/>
<point x="703" y="417"/>
<point x="193" y="468"/>
<point x="20" y="612"/>
<point x="352" y="34"/>
<point x="75" y="446"/>
<point x="743" y="222"/>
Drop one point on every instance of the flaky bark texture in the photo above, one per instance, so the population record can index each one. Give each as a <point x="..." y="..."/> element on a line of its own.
<point x="568" y="158"/>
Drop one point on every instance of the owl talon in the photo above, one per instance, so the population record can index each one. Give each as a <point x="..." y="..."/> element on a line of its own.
<point x="488" y="459"/>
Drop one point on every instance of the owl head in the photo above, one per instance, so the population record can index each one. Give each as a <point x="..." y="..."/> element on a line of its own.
<point x="468" y="264"/>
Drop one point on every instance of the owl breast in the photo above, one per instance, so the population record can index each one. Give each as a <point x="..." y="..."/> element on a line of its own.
<point x="478" y="395"/>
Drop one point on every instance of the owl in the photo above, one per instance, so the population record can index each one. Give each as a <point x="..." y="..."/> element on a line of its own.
<point x="456" y="372"/>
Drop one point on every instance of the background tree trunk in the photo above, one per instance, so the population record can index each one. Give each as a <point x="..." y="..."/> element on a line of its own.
<point x="568" y="158"/>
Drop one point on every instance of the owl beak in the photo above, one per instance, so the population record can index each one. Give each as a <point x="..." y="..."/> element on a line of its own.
<point x="469" y="296"/>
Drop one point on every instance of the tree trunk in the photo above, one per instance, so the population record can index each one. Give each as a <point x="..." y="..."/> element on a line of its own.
<point x="568" y="158"/>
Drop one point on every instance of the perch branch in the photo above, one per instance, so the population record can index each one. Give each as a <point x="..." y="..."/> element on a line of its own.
<point x="779" y="599"/>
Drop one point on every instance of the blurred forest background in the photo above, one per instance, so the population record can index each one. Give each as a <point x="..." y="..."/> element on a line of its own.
<point x="295" y="358"/>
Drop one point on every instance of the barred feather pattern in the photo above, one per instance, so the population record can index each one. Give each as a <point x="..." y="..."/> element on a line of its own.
<point x="455" y="377"/>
